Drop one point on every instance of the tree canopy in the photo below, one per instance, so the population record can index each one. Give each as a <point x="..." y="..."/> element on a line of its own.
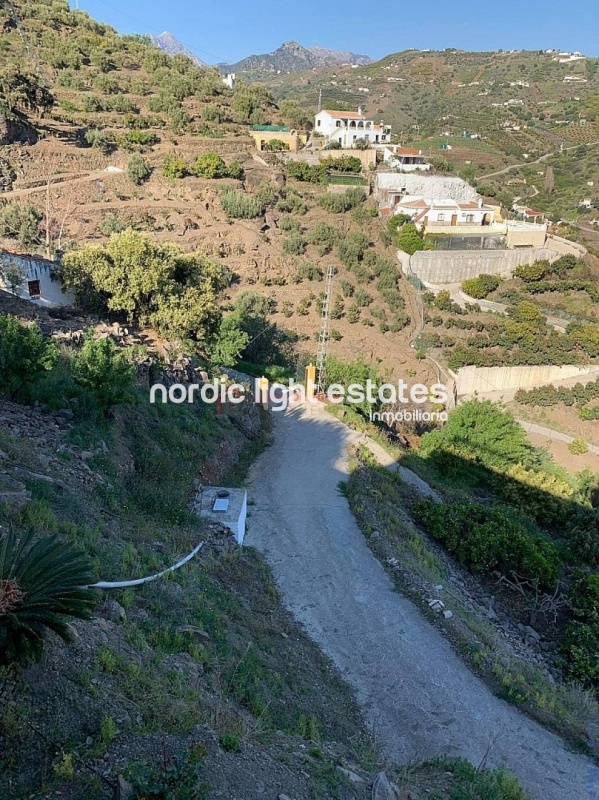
<point x="153" y="284"/>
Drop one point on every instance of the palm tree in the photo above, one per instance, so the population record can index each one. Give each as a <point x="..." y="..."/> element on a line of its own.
<point x="43" y="582"/>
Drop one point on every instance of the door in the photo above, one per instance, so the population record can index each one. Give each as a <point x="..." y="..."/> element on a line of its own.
<point x="34" y="288"/>
<point x="454" y="219"/>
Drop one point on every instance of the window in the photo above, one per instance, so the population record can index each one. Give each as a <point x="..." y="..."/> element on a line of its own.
<point x="318" y="123"/>
<point x="441" y="218"/>
<point x="469" y="217"/>
<point x="338" y="124"/>
<point x="34" y="288"/>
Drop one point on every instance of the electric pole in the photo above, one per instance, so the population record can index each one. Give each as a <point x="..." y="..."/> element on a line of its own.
<point x="323" y="337"/>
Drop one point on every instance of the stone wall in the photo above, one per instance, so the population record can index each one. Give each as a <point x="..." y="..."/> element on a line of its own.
<point x="454" y="266"/>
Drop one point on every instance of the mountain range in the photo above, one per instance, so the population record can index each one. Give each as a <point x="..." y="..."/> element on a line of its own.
<point x="289" y="57"/>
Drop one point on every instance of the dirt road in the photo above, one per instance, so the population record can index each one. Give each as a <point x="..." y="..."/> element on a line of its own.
<point x="417" y="694"/>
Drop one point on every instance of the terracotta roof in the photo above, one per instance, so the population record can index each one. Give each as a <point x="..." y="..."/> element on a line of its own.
<point x="414" y="204"/>
<point x="405" y="151"/>
<point x="469" y="205"/>
<point x="420" y="216"/>
<point x="344" y="114"/>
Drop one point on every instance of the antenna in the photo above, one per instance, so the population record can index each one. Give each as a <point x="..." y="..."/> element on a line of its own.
<point x="323" y="337"/>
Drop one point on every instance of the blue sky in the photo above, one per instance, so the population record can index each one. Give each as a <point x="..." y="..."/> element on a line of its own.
<point x="229" y="30"/>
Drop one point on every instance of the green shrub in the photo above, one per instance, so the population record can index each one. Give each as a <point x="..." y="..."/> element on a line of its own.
<point x="481" y="287"/>
<point x="410" y="239"/>
<point x="239" y="205"/>
<point x="350" y="164"/>
<point x="20" y="220"/>
<point x="141" y="137"/>
<point x="325" y="237"/>
<point x="289" y="223"/>
<point x="101" y="369"/>
<point x="174" y="167"/>
<point x="24" y="355"/>
<point x="294" y="245"/>
<point x="578" y="447"/>
<point x="580" y="646"/>
<point x="41" y="585"/>
<point x="309" y="272"/>
<point x="99" y="140"/>
<point x="229" y="742"/>
<point x="339" y="203"/>
<point x="276" y="146"/>
<point x="487" y="540"/>
<point x="138" y="169"/>
<point x="209" y="165"/>
<point x="306" y="172"/>
<point x="532" y="272"/>
<point x="111" y="223"/>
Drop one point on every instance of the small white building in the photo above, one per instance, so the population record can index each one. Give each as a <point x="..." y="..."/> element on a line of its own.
<point x="347" y="127"/>
<point x="229" y="80"/>
<point x="405" y="159"/>
<point x="38" y="282"/>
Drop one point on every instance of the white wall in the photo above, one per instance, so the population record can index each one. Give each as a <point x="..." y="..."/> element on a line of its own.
<point x="38" y="269"/>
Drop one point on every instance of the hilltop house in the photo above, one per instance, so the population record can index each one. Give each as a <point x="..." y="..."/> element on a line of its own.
<point x="347" y="127"/>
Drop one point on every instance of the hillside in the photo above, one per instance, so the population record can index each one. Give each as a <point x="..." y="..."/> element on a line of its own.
<point x="516" y="102"/>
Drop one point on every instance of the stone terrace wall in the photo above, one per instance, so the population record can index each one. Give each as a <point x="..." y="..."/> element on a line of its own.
<point x="447" y="266"/>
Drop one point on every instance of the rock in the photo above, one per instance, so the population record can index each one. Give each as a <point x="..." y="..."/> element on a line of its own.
<point x="382" y="789"/>
<point x="283" y="797"/>
<point x="197" y="632"/>
<point x="352" y="777"/>
<point x="114" y="611"/>
<point x="65" y="413"/>
<point x="448" y="614"/>
<point x="439" y="587"/>
<point x="531" y="633"/>
<point x="124" y="790"/>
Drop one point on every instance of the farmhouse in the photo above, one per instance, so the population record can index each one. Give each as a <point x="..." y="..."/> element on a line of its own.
<point x="347" y="127"/>
<point x="284" y="138"/>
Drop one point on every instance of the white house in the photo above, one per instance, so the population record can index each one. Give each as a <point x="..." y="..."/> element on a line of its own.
<point x="404" y="159"/>
<point x="445" y="212"/>
<point x="346" y="127"/>
<point x="38" y="283"/>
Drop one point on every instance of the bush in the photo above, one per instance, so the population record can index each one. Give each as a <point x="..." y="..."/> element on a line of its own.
<point x="294" y="245"/>
<point x="487" y="540"/>
<point x="24" y="355"/>
<point x="309" y="272"/>
<point x="209" y="165"/>
<point x="481" y="287"/>
<point x="325" y="237"/>
<point x="141" y="137"/>
<point x="410" y="239"/>
<point x="578" y="447"/>
<point x="532" y="272"/>
<point x="138" y="169"/>
<point x="580" y="646"/>
<point x="276" y="146"/>
<point x="111" y="223"/>
<point x="306" y="172"/>
<point x="41" y="585"/>
<point x="350" y="164"/>
<point x="20" y="220"/>
<point x="174" y="167"/>
<point x="339" y="203"/>
<point x="99" y="140"/>
<point x="239" y="205"/>
<point x="101" y="369"/>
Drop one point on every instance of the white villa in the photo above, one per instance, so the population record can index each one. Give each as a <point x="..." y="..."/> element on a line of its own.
<point x="445" y="212"/>
<point x="346" y="127"/>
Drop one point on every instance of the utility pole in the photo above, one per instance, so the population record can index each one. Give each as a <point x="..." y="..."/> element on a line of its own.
<point x="323" y="337"/>
<point x="320" y="99"/>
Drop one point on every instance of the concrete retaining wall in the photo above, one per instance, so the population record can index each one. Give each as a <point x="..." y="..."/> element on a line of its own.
<point x="566" y="247"/>
<point x="483" y="380"/>
<point x="447" y="266"/>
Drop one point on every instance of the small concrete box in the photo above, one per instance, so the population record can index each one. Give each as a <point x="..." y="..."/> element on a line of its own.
<point x="224" y="505"/>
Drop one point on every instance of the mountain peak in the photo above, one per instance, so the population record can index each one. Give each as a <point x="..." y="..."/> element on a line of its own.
<point x="167" y="42"/>
<point x="294" y="57"/>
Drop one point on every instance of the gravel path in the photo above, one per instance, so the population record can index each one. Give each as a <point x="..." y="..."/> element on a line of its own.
<point x="419" y="697"/>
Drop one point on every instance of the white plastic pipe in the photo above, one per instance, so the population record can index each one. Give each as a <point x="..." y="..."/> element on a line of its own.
<point x="141" y="581"/>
